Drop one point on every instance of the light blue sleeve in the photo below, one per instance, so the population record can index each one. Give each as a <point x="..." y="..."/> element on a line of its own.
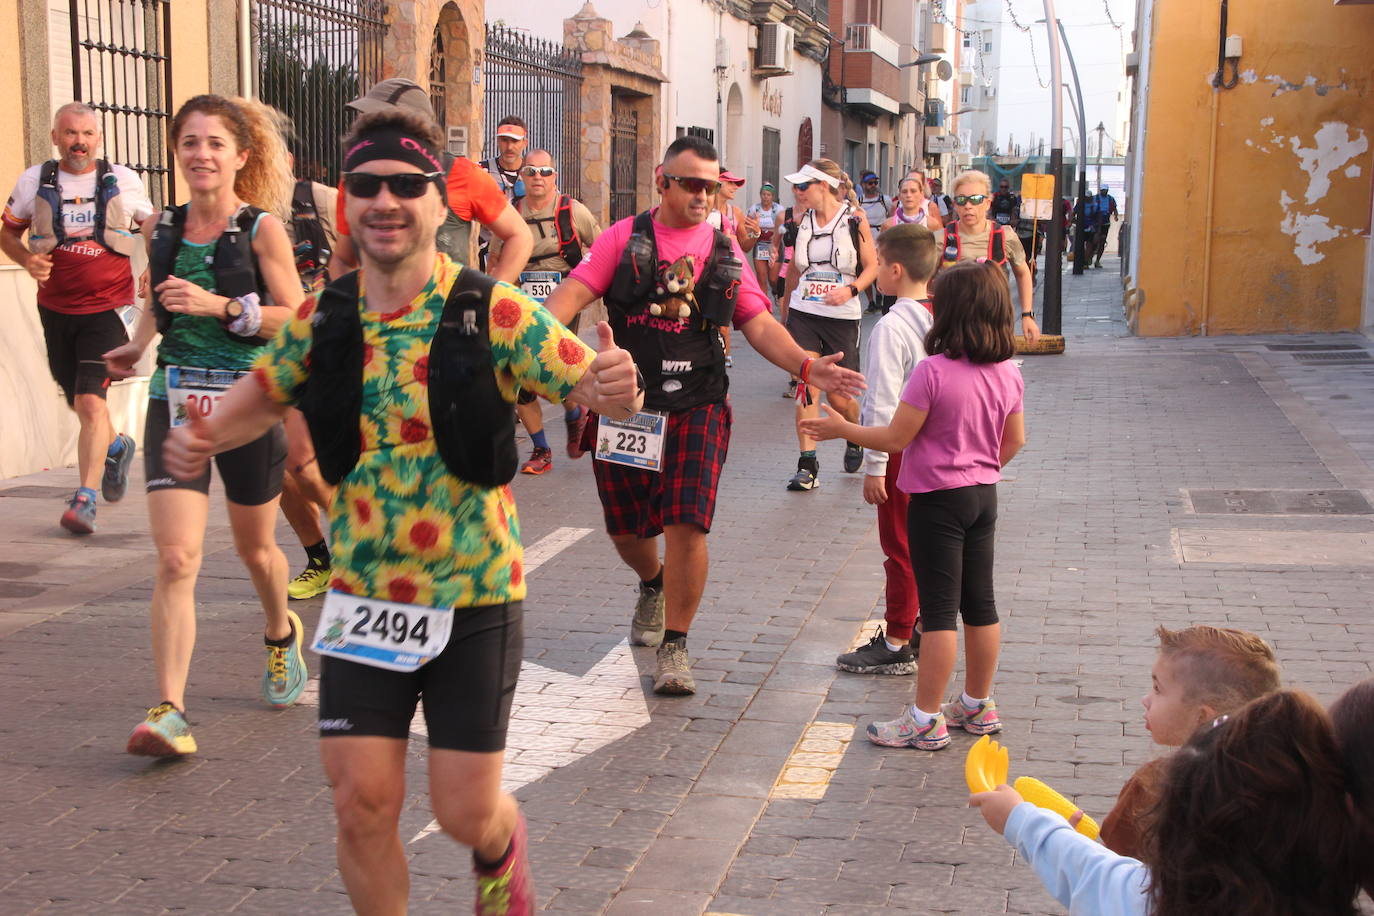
<point x="1084" y="876"/>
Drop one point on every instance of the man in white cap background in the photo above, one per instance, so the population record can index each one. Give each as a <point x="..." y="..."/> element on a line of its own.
<point x="473" y="196"/>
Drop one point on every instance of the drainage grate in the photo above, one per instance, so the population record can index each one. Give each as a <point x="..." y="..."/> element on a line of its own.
<point x="36" y="492"/>
<point x="1310" y="348"/>
<point x="1280" y="502"/>
<point x="1361" y="356"/>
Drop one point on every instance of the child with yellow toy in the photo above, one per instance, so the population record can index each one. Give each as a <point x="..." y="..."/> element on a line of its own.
<point x="1252" y="817"/>
<point x="1200" y="673"/>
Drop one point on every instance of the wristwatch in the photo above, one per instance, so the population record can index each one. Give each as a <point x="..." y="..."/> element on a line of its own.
<point x="233" y="310"/>
<point x="854" y="289"/>
<point x="1027" y="314"/>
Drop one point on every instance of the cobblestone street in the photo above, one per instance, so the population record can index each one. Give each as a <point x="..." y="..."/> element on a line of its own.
<point x="760" y="795"/>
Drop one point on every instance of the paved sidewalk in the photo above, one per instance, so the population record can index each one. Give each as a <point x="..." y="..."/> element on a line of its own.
<point x="760" y="795"/>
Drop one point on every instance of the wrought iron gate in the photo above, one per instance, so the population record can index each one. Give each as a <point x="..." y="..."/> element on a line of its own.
<point x="540" y="83"/>
<point x="122" y="68"/>
<point x="624" y="159"/>
<point x="313" y="57"/>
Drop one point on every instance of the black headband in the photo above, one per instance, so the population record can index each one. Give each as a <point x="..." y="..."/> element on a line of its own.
<point x="392" y="144"/>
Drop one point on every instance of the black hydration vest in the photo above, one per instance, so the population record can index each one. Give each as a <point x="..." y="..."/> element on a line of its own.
<point x="474" y="426"/>
<point x="312" y="242"/>
<point x="234" y="266"/>
<point x="682" y="368"/>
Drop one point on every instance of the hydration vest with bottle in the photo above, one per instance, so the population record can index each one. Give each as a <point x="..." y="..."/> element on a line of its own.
<point x="473" y="424"/>
<point x="683" y="365"/>
<point x="231" y="261"/>
<point x="46" y="229"/>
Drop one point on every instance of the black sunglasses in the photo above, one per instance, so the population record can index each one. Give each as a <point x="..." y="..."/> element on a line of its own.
<point x="406" y="185"/>
<point x="543" y="171"/>
<point x="964" y="200"/>
<point x="695" y="185"/>
<point x="802" y="186"/>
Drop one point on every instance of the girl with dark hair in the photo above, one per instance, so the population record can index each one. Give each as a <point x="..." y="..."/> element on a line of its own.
<point x="958" y="424"/>
<point x="1253" y="819"/>
<point x="224" y="281"/>
<point x="1353" y="718"/>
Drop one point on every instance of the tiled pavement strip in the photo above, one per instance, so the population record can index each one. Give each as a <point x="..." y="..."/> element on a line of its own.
<point x="689" y="814"/>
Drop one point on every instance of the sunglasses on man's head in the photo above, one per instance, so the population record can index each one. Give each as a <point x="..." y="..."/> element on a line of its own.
<point x="964" y="200"/>
<point x="543" y="171"/>
<point x="408" y="185"/>
<point x="695" y="185"/>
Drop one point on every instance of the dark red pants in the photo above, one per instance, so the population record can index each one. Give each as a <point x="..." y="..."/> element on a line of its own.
<point x="903" y="606"/>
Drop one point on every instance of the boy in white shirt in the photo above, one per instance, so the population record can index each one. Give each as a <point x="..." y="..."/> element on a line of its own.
<point x="907" y="256"/>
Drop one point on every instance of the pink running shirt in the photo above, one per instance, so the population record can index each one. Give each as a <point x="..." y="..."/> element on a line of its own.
<point x="598" y="267"/>
<point x="967" y="405"/>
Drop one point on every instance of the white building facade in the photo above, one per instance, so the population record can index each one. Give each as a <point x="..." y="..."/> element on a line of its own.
<point x="746" y="76"/>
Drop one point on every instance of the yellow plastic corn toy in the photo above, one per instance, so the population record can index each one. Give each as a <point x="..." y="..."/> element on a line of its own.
<point x="986" y="767"/>
<point x="1042" y="796"/>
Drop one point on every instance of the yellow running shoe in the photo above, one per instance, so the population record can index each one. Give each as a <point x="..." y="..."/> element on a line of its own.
<point x="313" y="580"/>
<point x="165" y="733"/>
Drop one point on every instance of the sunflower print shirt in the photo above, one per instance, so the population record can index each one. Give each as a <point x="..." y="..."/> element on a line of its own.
<point x="402" y="527"/>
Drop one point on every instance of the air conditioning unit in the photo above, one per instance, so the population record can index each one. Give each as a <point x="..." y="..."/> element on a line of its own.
<point x="938" y="39"/>
<point x="775" y="47"/>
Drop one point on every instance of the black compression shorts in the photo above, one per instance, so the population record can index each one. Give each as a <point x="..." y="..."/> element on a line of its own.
<point x="467" y="690"/>
<point x="251" y="473"/>
<point x="76" y="346"/>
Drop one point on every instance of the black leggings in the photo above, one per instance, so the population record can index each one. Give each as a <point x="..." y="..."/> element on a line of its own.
<point x="950" y="534"/>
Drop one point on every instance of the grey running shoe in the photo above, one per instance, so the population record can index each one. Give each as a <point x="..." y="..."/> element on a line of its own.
<point x="115" y="480"/>
<point x="805" y="478"/>
<point x="646" y="629"/>
<point x="877" y="658"/>
<point x="674" y="674"/>
<point x="80" y="515"/>
<point x="853" y="457"/>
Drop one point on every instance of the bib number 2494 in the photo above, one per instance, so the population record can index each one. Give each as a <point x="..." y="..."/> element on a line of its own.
<point x="384" y="634"/>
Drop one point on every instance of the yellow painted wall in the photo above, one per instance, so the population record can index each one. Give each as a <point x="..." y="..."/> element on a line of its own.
<point x="12" y="109"/>
<point x="190" y="61"/>
<point x="1299" y="123"/>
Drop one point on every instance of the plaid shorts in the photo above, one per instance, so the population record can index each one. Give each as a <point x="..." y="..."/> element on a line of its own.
<point x="640" y="502"/>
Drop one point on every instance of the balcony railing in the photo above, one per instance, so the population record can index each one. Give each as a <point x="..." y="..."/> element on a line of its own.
<point x="864" y="36"/>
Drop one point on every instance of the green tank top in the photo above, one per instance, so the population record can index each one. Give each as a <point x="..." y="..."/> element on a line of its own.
<point x="195" y="340"/>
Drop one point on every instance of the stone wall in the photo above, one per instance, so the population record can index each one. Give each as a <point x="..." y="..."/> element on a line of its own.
<point x="629" y="69"/>
<point x="406" y="53"/>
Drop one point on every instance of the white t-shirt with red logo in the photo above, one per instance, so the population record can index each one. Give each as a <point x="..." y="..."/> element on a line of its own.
<point x="86" y="276"/>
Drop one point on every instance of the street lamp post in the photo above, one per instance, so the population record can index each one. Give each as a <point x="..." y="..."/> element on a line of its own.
<point x="1052" y="299"/>
<point x="1078" y="240"/>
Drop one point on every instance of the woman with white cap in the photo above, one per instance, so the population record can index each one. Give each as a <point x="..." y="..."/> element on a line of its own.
<point x="833" y="262"/>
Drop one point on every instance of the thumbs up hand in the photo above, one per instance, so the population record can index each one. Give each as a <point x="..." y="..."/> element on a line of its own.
<point x="615" y="387"/>
<point x="188" y="447"/>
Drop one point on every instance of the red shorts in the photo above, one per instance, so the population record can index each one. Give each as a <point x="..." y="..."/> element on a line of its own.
<point x="640" y="502"/>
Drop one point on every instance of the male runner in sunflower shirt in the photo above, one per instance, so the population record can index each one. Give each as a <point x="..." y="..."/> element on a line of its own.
<point x="411" y="538"/>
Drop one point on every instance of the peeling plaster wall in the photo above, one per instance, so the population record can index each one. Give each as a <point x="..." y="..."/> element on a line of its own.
<point x="1290" y="181"/>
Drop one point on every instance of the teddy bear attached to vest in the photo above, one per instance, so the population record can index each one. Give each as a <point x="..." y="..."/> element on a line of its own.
<point x="675" y="292"/>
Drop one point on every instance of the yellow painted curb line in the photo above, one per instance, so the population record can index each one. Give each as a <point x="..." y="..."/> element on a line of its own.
<point x="814" y="760"/>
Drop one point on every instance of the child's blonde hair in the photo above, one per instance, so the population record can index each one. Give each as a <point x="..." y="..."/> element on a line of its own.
<point x="1219" y="667"/>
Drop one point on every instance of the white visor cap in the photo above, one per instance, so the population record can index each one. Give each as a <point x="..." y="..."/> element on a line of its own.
<point x="811" y="173"/>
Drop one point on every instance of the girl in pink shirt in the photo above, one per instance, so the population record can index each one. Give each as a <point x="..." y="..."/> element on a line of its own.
<point x="959" y="422"/>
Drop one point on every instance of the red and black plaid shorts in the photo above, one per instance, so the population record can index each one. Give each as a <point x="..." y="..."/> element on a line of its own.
<point x="640" y="502"/>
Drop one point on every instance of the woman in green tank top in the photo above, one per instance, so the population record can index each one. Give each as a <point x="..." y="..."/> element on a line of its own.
<point x="232" y="156"/>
